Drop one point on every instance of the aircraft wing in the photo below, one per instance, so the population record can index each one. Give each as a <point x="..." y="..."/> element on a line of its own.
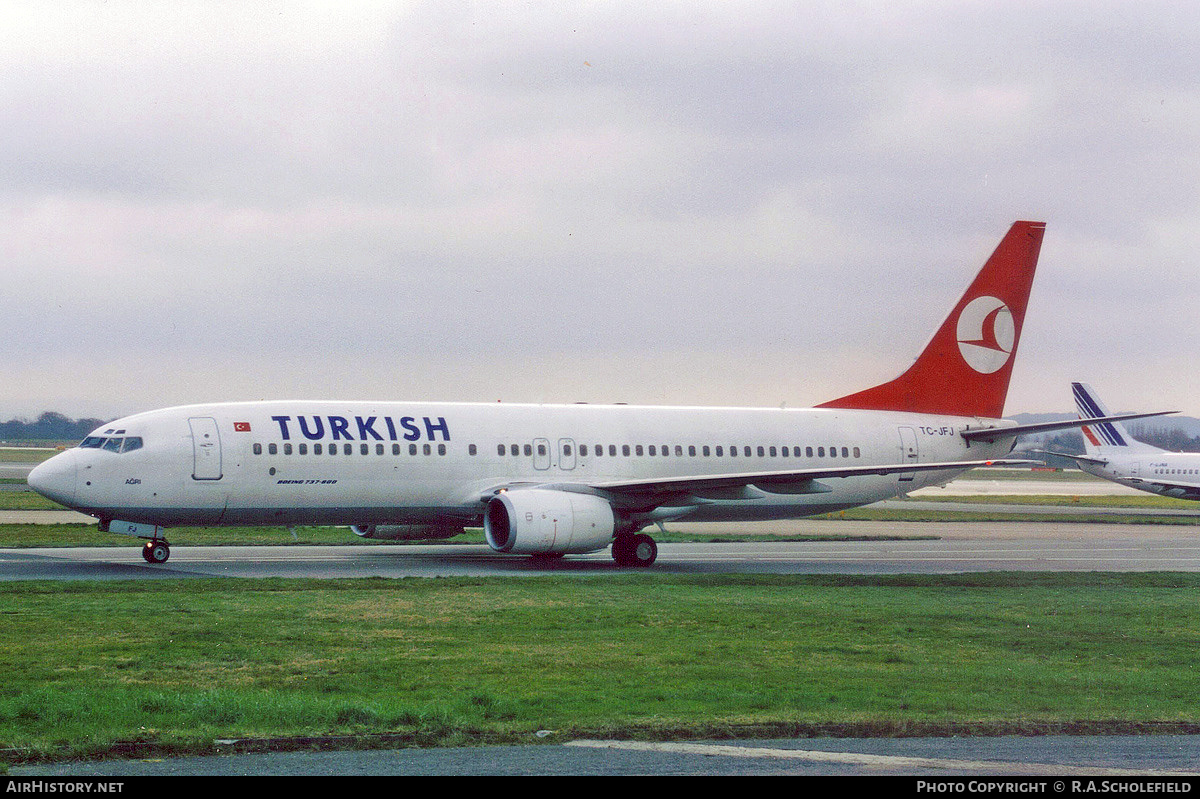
<point x="990" y="434"/>
<point x="1084" y="458"/>
<point x="1171" y="489"/>
<point x="799" y="481"/>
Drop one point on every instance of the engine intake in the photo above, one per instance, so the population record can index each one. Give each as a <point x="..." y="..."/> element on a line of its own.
<point x="539" y="521"/>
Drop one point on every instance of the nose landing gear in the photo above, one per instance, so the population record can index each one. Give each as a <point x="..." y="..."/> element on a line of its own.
<point x="156" y="551"/>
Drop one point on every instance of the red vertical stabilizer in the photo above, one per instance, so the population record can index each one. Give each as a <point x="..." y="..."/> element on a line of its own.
<point x="965" y="368"/>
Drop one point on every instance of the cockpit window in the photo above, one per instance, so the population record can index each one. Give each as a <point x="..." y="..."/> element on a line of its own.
<point x="128" y="444"/>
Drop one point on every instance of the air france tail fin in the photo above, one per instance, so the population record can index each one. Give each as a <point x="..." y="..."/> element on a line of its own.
<point x="965" y="368"/>
<point x="1106" y="438"/>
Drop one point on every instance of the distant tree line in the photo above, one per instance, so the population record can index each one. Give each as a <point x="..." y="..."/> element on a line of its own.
<point x="50" y="426"/>
<point x="1167" y="438"/>
<point x="1170" y="439"/>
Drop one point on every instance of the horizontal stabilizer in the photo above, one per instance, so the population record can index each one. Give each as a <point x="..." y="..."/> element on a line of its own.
<point x="990" y="434"/>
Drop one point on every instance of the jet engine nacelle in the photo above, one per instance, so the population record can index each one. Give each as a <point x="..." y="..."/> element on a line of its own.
<point x="539" y="521"/>
<point x="407" y="532"/>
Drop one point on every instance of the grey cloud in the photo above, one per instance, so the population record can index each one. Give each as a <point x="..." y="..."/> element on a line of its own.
<point x="432" y="184"/>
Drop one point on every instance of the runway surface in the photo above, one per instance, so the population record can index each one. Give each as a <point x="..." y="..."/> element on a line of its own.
<point x="1050" y="757"/>
<point x="919" y="548"/>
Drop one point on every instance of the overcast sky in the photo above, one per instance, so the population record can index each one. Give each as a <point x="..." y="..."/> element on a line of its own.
<point x="672" y="203"/>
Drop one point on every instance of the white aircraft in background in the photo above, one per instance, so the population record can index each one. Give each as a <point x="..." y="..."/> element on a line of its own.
<point x="1115" y="455"/>
<point x="550" y="480"/>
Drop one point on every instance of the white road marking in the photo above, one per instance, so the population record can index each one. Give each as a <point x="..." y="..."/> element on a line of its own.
<point x="855" y="758"/>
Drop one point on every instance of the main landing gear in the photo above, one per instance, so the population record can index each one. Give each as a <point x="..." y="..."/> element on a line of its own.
<point x="156" y="551"/>
<point x="634" y="549"/>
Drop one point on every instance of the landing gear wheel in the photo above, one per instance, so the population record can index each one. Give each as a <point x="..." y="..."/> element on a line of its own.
<point x="156" y="551"/>
<point x="634" y="550"/>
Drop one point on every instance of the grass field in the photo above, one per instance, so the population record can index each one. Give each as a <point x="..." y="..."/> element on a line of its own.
<point x="179" y="664"/>
<point x="96" y="668"/>
<point x="30" y="454"/>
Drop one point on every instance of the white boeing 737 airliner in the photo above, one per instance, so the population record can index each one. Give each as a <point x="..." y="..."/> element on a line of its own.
<point x="551" y="480"/>
<point x="1115" y="455"/>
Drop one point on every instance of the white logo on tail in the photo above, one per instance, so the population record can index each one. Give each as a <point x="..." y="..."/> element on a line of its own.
<point x="986" y="334"/>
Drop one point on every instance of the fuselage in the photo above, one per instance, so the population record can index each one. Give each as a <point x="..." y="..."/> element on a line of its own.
<point x="1170" y="474"/>
<point x="358" y="463"/>
<point x="550" y="480"/>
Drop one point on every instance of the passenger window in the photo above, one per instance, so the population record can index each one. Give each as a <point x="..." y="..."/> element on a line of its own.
<point x="303" y="449"/>
<point x="287" y="449"/>
<point x="470" y="449"/>
<point x="761" y="452"/>
<point x="317" y="449"/>
<point x="691" y="451"/>
<point x="772" y="452"/>
<point x="705" y="450"/>
<point x="528" y="450"/>
<point x="258" y="449"/>
<point x="583" y="450"/>
<point x="412" y="449"/>
<point x="441" y="449"/>
<point x="637" y="450"/>
<point x="273" y="449"/>
<point x="625" y="450"/>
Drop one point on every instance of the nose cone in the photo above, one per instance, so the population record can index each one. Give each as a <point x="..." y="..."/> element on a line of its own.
<point x="55" y="478"/>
